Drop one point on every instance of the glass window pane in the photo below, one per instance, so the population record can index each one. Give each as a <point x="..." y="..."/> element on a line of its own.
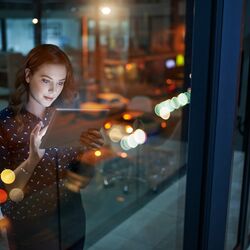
<point x="239" y="155"/>
<point x="127" y="58"/>
<point x="23" y="29"/>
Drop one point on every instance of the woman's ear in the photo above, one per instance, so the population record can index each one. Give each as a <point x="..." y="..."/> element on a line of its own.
<point x="27" y="75"/>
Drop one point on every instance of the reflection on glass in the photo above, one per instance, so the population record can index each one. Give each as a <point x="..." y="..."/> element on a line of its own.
<point x="128" y="58"/>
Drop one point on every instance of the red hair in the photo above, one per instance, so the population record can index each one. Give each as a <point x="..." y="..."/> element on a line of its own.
<point x="42" y="54"/>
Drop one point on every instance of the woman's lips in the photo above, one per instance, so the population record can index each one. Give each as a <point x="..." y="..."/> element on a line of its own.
<point x="48" y="98"/>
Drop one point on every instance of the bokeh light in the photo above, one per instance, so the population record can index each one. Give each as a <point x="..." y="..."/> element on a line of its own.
<point x="163" y="109"/>
<point x="170" y="63"/>
<point x="140" y="136"/>
<point x="107" y="125"/>
<point x="131" y="141"/>
<point x="182" y="99"/>
<point x="120" y="199"/>
<point x="8" y="176"/>
<point x="3" y="196"/>
<point x="124" y="144"/>
<point x="34" y="20"/>
<point x="164" y="113"/>
<point x="16" y="195"/>
<point x="98" y="153"/>
<point x="174" y="103"/>
<point x="127" y="117"/>
<point x="123" y="155"/>
<point x="129" y="129"/>
<point x="105" y="10"/>
<point x="180" y="60"/>
<point x="163" y="124"/>
<point x="115" y="133"/>
<point x="129" y="66"/>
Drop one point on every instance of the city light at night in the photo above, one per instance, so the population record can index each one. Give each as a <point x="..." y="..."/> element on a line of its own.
<point x="8" y="176"/>
<point x="164" y="108"/>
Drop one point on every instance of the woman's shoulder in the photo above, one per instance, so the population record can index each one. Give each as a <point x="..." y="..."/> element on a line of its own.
<point x="6" y="116"/>
<point x="6" y="113"/>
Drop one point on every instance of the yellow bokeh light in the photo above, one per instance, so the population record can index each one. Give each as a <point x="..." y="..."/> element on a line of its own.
<point x="8" y="176"/>
<point x="127" y="117"/>
<point x="180" y="60"/>
<point x="98" y="153"/>
<point x="129" y="129"/>
<point x="107" y="125"/>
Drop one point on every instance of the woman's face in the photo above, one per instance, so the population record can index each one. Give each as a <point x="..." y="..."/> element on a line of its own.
<point x="45" y="84"/>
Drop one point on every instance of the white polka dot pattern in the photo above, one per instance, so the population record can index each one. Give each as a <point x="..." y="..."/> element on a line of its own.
<point x="40" y="193"/>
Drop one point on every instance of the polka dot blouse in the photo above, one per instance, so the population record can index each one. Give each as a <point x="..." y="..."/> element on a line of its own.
<point x="41" y="191"/>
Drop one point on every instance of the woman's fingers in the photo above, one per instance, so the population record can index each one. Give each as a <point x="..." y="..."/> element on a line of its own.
<point x="90" y="144"/>
<point x="43" y="131"/>
<point x="92" y="139"/>
<point x="36" y="129"/>
<point x="34" y="134"/>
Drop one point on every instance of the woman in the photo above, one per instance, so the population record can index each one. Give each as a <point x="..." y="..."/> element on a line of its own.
<point x="44" y="207"/>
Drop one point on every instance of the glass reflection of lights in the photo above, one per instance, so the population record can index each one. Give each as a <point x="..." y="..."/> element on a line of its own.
<point x="163" y="124"/>
<point x="182" y="99"/>
<point x="164" y="113"/>
<point x="131" y="141"/>
<point x="98" y="153"/>
<point x="8" y="176"/>
<point x="16" y="194"/>
<point x="174" y="103"/>
<point x="3" y="196"/>
<point x="115" y="133"/>
<point x="180" y="60"/>
<point x="129" y="129"/>
<point x="170" y="63"/>
<point x="140" y="136"/>
<point x="124" y="144"/>
<point x="107" y="125"/>
<point x="127" y="117"/>
<point x="124" y="155"/>
<point x="105" y="10"/>
<point x="34" y="20"/>
<point x="129" y="66"/>
<point x="164" y="108"/>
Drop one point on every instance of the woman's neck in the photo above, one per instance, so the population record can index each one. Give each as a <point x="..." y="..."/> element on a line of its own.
<point x="35" y="108"/>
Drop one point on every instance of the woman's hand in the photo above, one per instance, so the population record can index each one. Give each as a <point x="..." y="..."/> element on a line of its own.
<point x="36" y="135"/>
<point x="92" y="139"/>
<point x="75" y="182"/>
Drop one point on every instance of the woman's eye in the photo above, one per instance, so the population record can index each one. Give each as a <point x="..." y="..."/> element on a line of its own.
<point x="60" y="83"/>
<point x="45" y="81"/>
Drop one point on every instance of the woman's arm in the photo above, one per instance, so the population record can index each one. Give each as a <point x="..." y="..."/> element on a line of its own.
<point x="22" y="174"/>
<point x="24" y="171"/>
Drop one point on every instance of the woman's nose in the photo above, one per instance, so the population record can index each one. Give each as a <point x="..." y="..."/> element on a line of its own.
<point x="52" y="88"/>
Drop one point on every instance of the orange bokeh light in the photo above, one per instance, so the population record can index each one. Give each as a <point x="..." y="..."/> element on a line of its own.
<point x="3" y="196"/>
<point x="107" y="125"/>
<point x="163" y="124"/>
<point x="127" y="117"/>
